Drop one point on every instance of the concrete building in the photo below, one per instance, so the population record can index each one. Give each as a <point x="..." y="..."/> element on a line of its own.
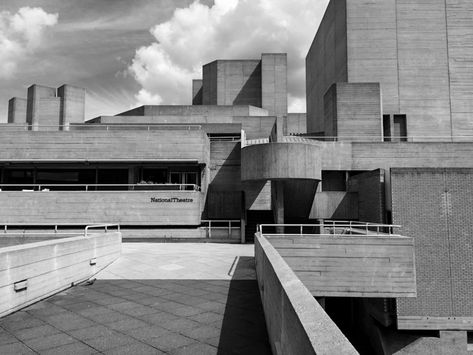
<point x="389" y="140"/>
<point x="401" y="72"/>
<point x="418" y="52"/>
<point x="48" y="108"/>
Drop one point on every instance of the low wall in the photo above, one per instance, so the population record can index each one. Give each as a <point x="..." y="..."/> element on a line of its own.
<point x="351" y="265"/>
<point x="31" y="272"/>
<point x="296" y="323"/>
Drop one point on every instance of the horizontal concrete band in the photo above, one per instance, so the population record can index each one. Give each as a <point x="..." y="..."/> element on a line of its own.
<point x="278" y="161"/>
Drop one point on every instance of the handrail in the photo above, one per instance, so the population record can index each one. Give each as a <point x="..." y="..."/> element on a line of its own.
<point x="347" y="228"/>
<point x="104" y="126"/>
<point x="56" y="225"/>
<point x="392" y="139"/>
<point x="86" y="186"/>
<point x="229" y="221"/>
<point x="105" y="226"/>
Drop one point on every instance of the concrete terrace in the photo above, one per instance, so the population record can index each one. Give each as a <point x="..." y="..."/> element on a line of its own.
<point x="155" y="299"/>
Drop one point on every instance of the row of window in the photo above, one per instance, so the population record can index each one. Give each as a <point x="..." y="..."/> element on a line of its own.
<point x="101" y="176"/>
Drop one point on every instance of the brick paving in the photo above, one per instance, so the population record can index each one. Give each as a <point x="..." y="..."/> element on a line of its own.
<point x="144" y="316"/>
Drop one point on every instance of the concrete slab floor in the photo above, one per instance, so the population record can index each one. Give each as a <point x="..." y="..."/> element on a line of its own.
<point x="156" y="299"/>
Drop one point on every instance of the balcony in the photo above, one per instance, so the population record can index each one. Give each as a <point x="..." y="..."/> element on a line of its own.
<point x="138" y="204"/>
<point x="350" y="259"/>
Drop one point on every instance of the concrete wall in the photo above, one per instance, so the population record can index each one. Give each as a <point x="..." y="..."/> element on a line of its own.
<point x="370" y="189"/>
<point x="232" y="82"/>
<point x="171" y="145"/>
<point x="17" y="110"/>
<point x="326" y="62"/>
<point x="459" y="32"/>
<point x="72" y="104"/>
<point x="274" y="83"/>
<point x="197" y="92"/>
<point x="36" y="94"/>
<point x="209" y="111"/>
<point x="123" y="207"/>
<point x="369" y="156"/>
<point x="353" y="111"/>
<point x="254" y="126"/>
<point x="351" y="266"/>
<point x="417" y="50"/>
<point x="52" y="266"/>
<point x="435" y="207"/>
<point x="280" y="161"/>
<point x="224" y="196"/>
<point x="296" y="323"/>
<point x="335" y="205"/>
<point x="295" y="123"/>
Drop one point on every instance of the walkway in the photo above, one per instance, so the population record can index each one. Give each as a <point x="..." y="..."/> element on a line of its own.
<point x="156" y="299"/>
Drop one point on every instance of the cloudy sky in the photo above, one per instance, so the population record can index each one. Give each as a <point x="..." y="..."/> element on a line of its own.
<point x="132" y="52"/>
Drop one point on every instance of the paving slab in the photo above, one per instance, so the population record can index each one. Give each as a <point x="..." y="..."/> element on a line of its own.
<point x="144" y="304"/>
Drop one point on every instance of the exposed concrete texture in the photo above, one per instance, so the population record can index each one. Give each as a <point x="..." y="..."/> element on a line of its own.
<point x="80" y="207"/>
<point x="72" y="104"/>
<point x="418" y="51"/>
<point x="17" y="110"/>
<point x="47" y="267"/>
<point x="350" y="266"/>
<point x="254" y="126"/>
<point x="232" y="82"/>
<point x="353" y="111"/>
<point x="165" y="145"/>
<point x="370" y="188"/>
<point x="326" y="62"/>
<point x="275" y="161"/>
<point x="335" y="205"/>
<point x="197" y="94"/>
<point x="274" y="83"/>
<point x="296" y="322"/>
<point x="202" y="110"/>
<point x="34" y="115"/>
<point x="295" y="123"/>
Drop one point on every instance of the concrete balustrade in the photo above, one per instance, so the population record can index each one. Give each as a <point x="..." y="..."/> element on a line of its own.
<point x="296" y="323"/>
<point x="34" y="271"/>
<point x="279" y="161"/>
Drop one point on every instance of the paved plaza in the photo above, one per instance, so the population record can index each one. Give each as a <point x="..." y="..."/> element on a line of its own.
<point x="156" y="299"/>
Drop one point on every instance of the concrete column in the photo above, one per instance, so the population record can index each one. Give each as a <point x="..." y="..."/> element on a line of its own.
<point x="277" y="188"/>
<point x="274" y="83"/>
<point x="42" y="107"/>
<point x="17" y="110"/>
<point x="72" y="105"/>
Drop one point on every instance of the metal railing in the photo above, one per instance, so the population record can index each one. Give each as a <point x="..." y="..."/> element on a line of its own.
<point x="225" y="139"/>
<point x="102" y="127"/>
<point x="222" y="224"/>
<point x="105" y="226"/>
<point x="394" y="139"/>
<point x="99" y="187"/>
<point x="55" y="229"/>
<point x="332" y="228"/>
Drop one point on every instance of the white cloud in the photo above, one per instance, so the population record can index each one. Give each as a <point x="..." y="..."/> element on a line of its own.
<point x="21" y="34"/>
<point x="230" y="29"/>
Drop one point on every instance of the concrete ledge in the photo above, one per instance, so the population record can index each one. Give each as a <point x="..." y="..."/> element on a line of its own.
<point x="34" y="271"/>
<point x="296" y="323"/>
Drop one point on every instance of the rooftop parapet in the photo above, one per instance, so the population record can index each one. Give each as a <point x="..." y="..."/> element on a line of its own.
<point x="347" y="259"/>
